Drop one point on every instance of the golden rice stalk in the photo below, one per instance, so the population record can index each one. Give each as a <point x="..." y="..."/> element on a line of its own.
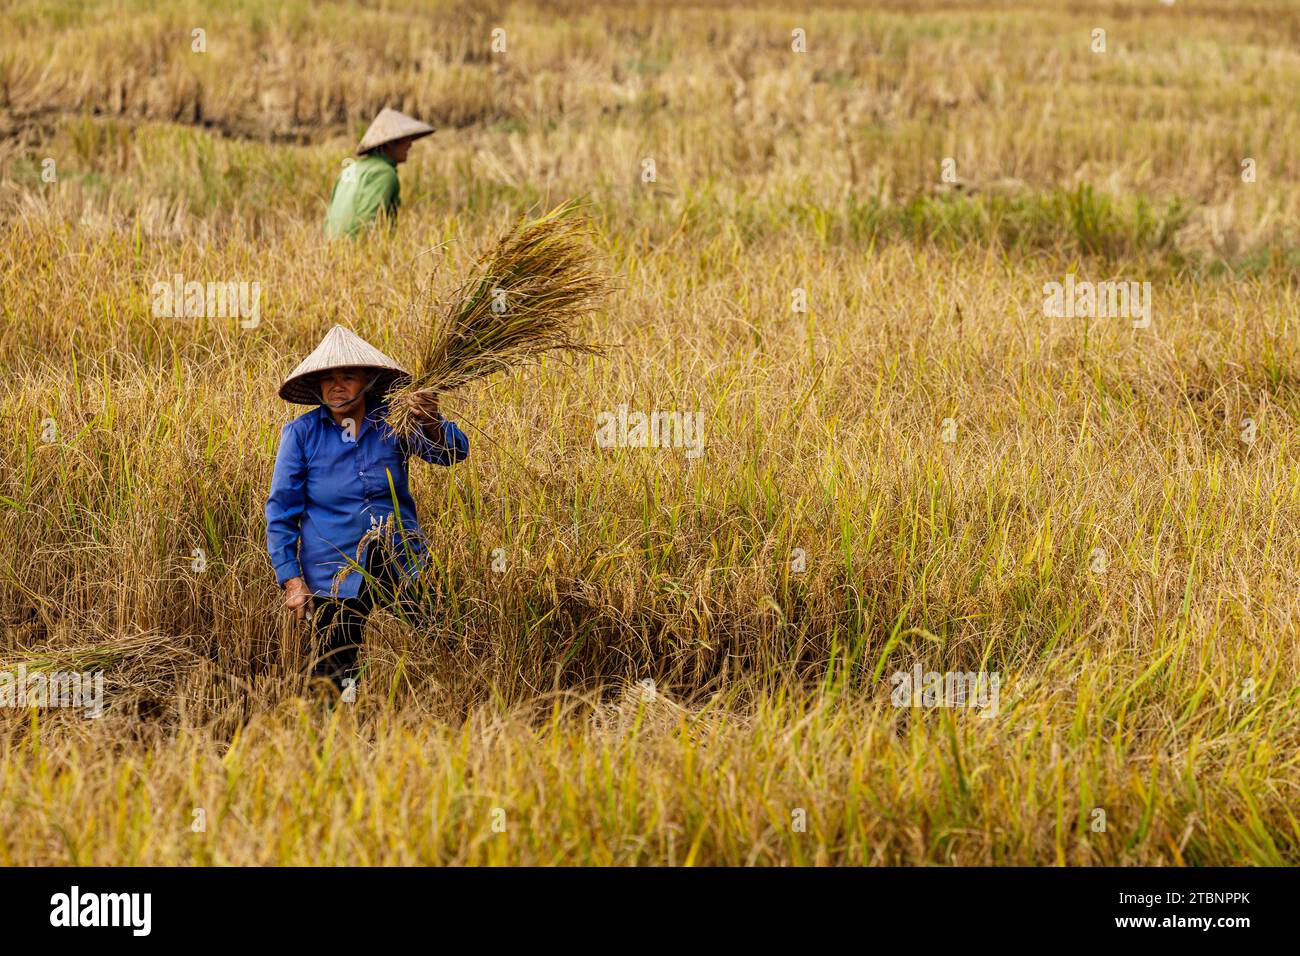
<point x="525" y="298"/>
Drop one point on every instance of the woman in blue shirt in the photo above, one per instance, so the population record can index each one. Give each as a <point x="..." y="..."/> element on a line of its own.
<point x="339" y="472"/>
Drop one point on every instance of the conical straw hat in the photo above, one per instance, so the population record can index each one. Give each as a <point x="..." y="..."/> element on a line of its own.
<point x="391" y="125"/>
<point x="341" y="348"/>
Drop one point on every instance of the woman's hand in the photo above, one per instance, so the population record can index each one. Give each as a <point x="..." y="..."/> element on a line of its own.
<point x="297" y="597"/>
<point x="432" y="425"/>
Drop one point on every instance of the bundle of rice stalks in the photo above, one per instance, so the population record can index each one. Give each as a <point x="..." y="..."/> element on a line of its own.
<point x="525" y="299"/>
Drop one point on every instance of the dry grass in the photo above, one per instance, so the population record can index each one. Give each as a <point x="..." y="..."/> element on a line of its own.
<point x="1162" y="690"/>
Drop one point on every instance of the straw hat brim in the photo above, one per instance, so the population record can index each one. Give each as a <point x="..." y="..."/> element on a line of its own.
<point x="305" y="389"/>
<point x="389" y="127"/>
<point x="341" y="348"/>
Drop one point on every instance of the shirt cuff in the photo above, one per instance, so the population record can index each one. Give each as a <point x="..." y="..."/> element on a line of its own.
<point x="287" y="571"/>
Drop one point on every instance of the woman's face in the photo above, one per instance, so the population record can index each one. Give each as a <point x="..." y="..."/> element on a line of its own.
<point x="340" y="387"/>
<point x="398" y="151"/>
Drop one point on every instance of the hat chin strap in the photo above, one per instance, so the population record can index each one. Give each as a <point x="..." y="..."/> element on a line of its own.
<point x="334" y="406"/>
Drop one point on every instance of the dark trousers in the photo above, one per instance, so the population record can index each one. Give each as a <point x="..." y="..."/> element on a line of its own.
<point x="340" y="623"/>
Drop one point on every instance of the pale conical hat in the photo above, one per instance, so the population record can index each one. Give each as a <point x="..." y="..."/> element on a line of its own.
<point x="341" y="348"/>
<point x="390" y="125"/>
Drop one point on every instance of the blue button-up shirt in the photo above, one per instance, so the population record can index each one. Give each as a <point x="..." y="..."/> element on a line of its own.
<point x="331" y="486"/>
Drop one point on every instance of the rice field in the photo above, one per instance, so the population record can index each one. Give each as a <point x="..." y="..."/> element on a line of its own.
<point x="834" y="263"/>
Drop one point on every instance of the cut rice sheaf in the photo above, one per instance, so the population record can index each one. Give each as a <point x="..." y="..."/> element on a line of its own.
<point x="526" y="298"/>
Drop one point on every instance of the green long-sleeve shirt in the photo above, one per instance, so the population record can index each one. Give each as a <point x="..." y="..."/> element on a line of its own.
<point x="365" y="190"/>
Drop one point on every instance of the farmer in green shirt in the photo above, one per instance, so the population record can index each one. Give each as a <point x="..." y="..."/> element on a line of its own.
<point x="368" y="188"/>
